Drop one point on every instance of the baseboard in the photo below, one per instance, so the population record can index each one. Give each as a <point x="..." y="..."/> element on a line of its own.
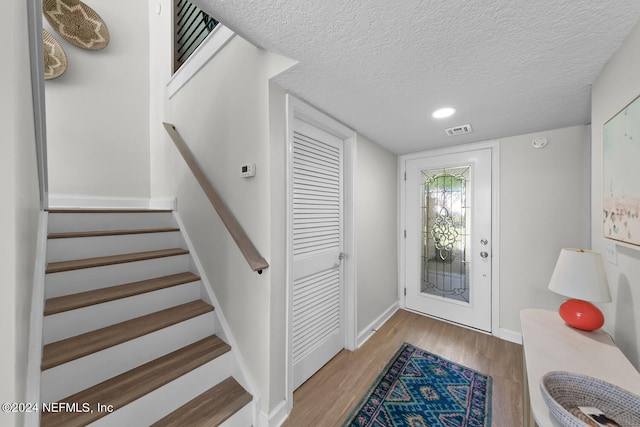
<point x="34" y="358"/>
<point x="507" y="335"/>
<point x="103" y="202"/>
<point x="165" y="203"/>
<point x="97" y="202"/>
<point x="274" y="418"/>
<point x="367" y="332"/>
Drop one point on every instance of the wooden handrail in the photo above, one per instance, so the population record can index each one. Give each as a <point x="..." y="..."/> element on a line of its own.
<point x="256" y="262"/>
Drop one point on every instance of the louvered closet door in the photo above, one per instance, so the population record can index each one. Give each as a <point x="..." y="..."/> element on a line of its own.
<point x="318" y="326"/>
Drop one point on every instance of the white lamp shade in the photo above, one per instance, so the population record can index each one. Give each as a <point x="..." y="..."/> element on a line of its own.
<point x="580" y="274"/>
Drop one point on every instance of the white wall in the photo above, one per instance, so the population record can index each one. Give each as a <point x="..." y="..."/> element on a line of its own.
<point x="278" y="203"/>
<point x="229" y="113"/>
<point x="616" y="86"/>
<point x="544" y="206"/>
<point x="223" y="113"/>
<point x="98" y="110"/>
<point x="19" y="215"/>
<point x="376" y="230"/>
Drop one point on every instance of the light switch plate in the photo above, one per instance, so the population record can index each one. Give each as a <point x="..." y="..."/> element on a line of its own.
<point x="611" y="252"/>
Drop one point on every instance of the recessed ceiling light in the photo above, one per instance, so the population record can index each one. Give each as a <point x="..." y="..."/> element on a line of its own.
<point x="443" y="112"/>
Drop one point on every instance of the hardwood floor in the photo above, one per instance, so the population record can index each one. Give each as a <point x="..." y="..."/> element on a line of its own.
<point x="328" y="397"/>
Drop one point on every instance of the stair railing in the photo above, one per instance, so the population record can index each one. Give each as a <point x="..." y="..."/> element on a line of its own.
<point x="256" y="262"/>
<point x="191" y="27"/>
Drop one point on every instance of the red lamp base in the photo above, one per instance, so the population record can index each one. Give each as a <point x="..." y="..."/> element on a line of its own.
<point x="581" y="315"/>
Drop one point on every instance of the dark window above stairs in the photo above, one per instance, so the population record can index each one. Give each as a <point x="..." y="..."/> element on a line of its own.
<point x="191" y="26"/>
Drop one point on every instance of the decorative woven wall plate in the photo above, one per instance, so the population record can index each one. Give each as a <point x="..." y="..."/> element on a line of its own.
<point x="77" y="23"/>
<point x="55" y="60"/>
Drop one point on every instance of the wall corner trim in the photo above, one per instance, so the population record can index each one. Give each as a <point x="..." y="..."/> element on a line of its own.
<point x="163" y="203"/>
<point x="276" y="417"/>
<point x="34" y="357"/>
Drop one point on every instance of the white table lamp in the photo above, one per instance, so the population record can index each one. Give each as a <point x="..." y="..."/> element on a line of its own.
<point x="580" y="275"/>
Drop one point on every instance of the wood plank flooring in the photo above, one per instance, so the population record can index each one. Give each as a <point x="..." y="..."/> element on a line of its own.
<point x="327" y="398"/>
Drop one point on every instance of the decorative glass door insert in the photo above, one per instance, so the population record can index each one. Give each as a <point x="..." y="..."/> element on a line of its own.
<point x="448" y="258"/>
<point x="445" y="236"/>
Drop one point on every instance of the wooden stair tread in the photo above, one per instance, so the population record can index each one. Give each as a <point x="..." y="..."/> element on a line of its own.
<point x="211" y="408"/>
<point x="72" y="348"/>
<point x="112" y="293"/>
<point x="129" y="386"/>
<point x="56" y="267"/>
<point x="102" y="233"/>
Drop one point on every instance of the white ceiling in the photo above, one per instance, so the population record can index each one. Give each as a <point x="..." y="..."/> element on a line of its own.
<point x="382" y="67"/>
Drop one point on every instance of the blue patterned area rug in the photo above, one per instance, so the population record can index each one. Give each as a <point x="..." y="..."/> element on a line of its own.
<point x="420" y="389"/>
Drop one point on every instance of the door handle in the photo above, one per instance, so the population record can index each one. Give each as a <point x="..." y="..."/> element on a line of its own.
<point x="341" y="256"/>
<point x="484" y="254"/>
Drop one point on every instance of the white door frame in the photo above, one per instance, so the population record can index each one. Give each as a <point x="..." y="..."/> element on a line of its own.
<point x="494" y="146"/>
<point x="297" y="109"/>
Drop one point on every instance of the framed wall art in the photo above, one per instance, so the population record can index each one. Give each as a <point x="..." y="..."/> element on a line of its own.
<point x="621" y="173"/>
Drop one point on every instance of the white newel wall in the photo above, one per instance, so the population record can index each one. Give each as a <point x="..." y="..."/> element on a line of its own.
<point x="376" y="232"/>
<point x="223" y="115"/>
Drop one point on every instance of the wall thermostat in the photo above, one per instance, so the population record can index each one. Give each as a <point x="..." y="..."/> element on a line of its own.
<point x="248" y="170"/>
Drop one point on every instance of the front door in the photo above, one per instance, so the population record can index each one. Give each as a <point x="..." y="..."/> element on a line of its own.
<point x="317" y="246"/>
<point x="448" y="241"/>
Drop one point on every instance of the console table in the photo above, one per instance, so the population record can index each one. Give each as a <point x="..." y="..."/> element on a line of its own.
<point x="551" y="345"/>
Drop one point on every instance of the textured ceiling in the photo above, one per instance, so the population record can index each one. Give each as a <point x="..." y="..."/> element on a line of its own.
<point x="382" y="67"/>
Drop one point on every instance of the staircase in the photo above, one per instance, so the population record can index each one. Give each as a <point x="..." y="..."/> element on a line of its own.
<point x="129" y="331"/>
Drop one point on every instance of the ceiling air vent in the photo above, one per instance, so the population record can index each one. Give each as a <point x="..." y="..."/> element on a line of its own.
<point x="459" y="130"/>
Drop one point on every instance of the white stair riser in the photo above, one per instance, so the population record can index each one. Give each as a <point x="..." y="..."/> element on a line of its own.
<point x="89" y="247"/>
<point x="69" y="378"/>
<point x="88" y="279"/>
<point x="67" y="324"/>
<point x="66" y="222"/>
<point x="161" y="402"/>
<point x="242" y="418"/>
<point x="65" y="380"/>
